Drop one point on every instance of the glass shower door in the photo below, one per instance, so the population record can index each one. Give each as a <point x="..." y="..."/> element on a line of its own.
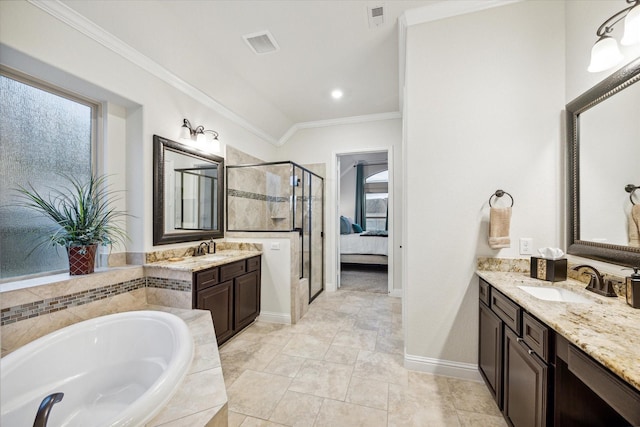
<point x="316" y="281"/>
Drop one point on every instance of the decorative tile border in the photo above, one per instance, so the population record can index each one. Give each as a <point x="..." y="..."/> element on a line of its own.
<point x="255" y="196"/>
<point x="172" y="284"/>
<point x="50" y="305"/>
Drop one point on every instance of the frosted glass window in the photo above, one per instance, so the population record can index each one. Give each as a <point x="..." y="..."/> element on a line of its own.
<point x="42" y="134"/>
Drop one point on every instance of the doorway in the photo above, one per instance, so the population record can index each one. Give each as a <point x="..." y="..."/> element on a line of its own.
<point x="365" y="215"/>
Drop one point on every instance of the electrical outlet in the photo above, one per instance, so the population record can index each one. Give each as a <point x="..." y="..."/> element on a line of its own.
<point x="526" y="246"/>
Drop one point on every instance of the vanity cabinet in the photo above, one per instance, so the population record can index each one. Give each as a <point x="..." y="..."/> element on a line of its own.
<point x="513" y="357"/>
<point x="231" y="293"/>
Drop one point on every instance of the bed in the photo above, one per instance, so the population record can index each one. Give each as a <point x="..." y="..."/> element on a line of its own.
<point x="369" y="247"/>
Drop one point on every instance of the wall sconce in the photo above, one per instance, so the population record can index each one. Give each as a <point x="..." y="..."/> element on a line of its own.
<point x="206" y="139"/>
<point x="605" y="53"/>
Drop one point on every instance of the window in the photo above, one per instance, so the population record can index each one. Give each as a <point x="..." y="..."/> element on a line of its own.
<point x="376" y="189"/>
<point x="43" y="132"/>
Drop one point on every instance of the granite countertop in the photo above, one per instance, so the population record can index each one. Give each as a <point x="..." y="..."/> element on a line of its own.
<point x="196" y="263"/>
<point x="607" y="329"/>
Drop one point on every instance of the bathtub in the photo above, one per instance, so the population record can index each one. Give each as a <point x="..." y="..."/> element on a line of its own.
<point x="115" y="370"/>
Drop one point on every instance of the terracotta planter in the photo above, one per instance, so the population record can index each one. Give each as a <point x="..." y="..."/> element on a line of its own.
<point x="82" y="259"/>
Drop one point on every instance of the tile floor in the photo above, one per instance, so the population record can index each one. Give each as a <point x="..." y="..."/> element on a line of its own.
<point x="342" y="365"/>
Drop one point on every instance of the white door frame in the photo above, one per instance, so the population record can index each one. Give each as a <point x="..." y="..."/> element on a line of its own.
<point x="336" y="219"/>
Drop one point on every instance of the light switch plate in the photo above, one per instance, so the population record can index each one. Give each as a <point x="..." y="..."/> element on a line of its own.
<point x="275" y="246"/>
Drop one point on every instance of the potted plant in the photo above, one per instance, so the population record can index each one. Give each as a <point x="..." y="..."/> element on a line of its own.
<point x="83" y="217"/>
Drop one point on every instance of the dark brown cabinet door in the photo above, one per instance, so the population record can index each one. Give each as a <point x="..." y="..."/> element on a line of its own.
<point x="490" y="351"/>
<point x="525" y="384"/>
<point x="247" y="298"/>
<point x="218" y="300"/>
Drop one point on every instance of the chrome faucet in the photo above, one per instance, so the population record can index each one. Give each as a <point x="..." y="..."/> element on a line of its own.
<point x="597" y="283"/>
<point x="45" y="409"/>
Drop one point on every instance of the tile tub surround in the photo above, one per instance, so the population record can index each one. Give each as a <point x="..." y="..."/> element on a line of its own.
<point x="607" y="330"/>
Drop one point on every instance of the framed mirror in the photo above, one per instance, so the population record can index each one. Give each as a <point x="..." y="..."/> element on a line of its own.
<point x="188" y="193"/>
<point x="603" y="135"/>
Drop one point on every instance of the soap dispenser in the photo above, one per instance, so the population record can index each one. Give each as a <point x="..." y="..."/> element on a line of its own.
<point x="633" y="288"/>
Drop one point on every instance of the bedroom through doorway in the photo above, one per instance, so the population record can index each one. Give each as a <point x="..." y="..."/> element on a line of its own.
<point x="364" y="232"/>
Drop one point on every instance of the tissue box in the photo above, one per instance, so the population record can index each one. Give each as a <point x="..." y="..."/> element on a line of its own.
<point x="552" y="270"/>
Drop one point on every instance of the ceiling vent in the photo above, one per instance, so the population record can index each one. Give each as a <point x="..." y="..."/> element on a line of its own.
<point x="261" y="43"/>
<point x="375" y="15"/>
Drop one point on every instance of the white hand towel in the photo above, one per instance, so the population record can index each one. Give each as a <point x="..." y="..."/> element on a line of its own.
<point x="499" y="223"/>
<point x="634" y="226"/>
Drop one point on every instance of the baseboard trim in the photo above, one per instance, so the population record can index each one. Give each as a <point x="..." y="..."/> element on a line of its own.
<point x="397" y="293"/>
<point x="271" y="317"/>
<point x="448" y="368"/>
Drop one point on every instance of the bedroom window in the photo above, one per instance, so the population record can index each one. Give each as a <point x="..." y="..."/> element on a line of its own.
<point x="44" y="132"/>
<point x="377" y="198"/>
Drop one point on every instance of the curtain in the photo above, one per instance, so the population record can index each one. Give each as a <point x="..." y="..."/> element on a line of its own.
<point x="361" y="207"/>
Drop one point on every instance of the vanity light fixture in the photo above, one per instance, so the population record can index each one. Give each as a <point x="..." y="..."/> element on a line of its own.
<point x="605" y="53"/>
<point x="206" y="139"/>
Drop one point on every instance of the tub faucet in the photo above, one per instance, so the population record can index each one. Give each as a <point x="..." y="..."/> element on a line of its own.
<point x="45" y="409"/>
<point x="597" y="283"/>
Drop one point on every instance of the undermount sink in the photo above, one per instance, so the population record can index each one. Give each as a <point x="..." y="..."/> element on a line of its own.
<point x="212" y="257"/>
<point x="548" y="293"/>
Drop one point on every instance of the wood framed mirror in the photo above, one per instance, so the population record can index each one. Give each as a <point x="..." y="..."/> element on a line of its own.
<point x="603" y="136"/>
<point x="188" y="193"/>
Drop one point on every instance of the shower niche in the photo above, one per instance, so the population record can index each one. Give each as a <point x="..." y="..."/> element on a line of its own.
<point x="281" y="197"/>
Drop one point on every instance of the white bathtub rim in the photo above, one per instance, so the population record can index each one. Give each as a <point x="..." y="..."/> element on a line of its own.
<point x="154" y="403"/>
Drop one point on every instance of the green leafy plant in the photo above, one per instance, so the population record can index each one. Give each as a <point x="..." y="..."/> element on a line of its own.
<point x="82" y="212"/>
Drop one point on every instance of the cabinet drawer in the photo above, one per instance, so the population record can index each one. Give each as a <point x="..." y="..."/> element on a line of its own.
<point x="232" y="270"/>
<point x="536" y="336"/>
<point x="507" y="310"/>
<point x="253" y="264"/>
<point x="206" y="278"/>
<point x="485" y="290"/>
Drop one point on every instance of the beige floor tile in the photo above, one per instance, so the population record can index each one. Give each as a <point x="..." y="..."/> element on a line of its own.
<point x="389" y="344"/>
<point x="284" y="365"/>
<point x="474" y="419"/>
<point x="341" y="414"/>
<point x="406" y="409"/>
<point x="249" y="354"/>
<point x="235" y="419"/>
<point x="341" y="354"/>
<point x="308" y="346"/>
<point x="257" y="393"/>
<point x="357" y="338"/>
<point x="371" y="393"/>
<point x="323" y="379"/>
<point x="423" y="385"/>
<point x="297" y="410"/>
<point x="381" y="367"/>
<point x="256" y="422"/>
<point x="472" y="396"/>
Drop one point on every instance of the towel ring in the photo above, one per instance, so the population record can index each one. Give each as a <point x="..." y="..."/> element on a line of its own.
<point x="631" y="189"/>
<point x="498" y="194"/>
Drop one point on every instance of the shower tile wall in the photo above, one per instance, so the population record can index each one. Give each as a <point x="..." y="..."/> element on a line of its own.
<point x="258" y="198"/>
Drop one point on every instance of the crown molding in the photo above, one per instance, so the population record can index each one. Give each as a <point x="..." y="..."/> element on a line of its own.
<point x="75" y="20"/>
<point x="336" y="122"/>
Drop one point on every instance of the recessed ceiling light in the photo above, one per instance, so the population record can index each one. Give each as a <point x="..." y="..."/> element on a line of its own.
<point x="336" y="94"/>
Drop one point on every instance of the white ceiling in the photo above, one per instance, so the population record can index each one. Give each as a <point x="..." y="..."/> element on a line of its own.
<point x="324" y="44"/>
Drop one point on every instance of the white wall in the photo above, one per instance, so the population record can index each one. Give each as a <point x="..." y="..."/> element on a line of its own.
<point x="483" y="101"/>
<point x="322" y="145"/>
<point x="154" y="107"/>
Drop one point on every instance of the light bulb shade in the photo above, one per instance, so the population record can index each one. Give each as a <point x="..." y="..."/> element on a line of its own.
<point x="201" y="137"/>
<point x="185" y="132"/>
<point x="631" y="27"/>
<point x="604" y="55"/>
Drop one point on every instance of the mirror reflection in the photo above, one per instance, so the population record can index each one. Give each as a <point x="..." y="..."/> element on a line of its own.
<point x="609" y="155"/>
<point x="188" y="187"/>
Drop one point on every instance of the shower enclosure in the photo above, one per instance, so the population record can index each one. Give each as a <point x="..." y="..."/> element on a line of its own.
<point x="281" y="196"/>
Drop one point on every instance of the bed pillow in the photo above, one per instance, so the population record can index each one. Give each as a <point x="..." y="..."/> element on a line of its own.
<point x="356" y="228"/>
<point x="345" y="225"/>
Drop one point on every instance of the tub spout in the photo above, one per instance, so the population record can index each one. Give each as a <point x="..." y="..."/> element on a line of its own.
<point x="45" y="408"/>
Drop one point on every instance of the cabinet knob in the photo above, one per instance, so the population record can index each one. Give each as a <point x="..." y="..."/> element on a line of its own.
<point x="530" y="351"/>
<point x="519" y="339"/>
